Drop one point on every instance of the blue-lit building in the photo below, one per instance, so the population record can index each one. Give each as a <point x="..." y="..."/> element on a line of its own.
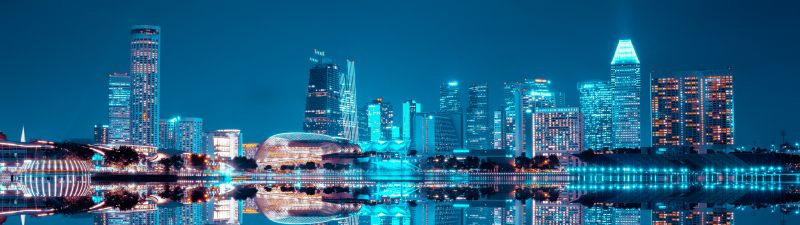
<point x="436" y="133"/>
<point x="450" y="98"/>
<point x="323" y="113"/>
<point x="627" y="86"/>
<point x="380" y="120"/>
<point x="596" y="102"/>
<point x="410" y="108"/>
<point x="100" y="133"/>
<point x="146" y="89"/>
<point x="528" y="96"/>
<point x="183" y="134"/>
<point x="478" y="123"/>
<point x="557" y="131"/>
<point x="119" y="108"/>
<point x="349" y="107"/>
<point x="498" y="129"/>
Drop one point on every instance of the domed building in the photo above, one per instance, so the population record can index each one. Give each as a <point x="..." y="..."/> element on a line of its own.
<point x="300" y="208"/>
<point x="300" y="148"/>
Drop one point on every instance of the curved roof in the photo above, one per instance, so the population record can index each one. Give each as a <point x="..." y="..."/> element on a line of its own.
<point x="299" y="208"/>
<point x="291" y="147"/>
<point x="56" y="166"/>
<point x="71" y="185"/>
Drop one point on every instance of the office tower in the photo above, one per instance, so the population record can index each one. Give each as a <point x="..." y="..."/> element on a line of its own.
<point x="627" y="87"/>
<point x="604" y="215"/>
<point x="249" y="150"/>
<point x="693" y="108"/>
<point x="529" y="96"/>
<point x="190" y="135"/>
<point x="100" y="134"/>
<point x="435" y="133"/>
<point x="227" y="211"/>
<point x="364" y="134"/>
<point x="380" y="120"/>
<point x="224" y="144"/>
<point x="450" y="98"/>
<point x="557" y="131"/>
<point x="595" y="100"/>
<point x="119" y="108"/>
<point x="323" y="113"/>
<point x="410" y="108"/>
<point x="509" y="112"/>
<point x="168" y="133"/>
<point x="146" y="89"/>
<point x="498" y="129"/>
<point x="478" y="124"/>
<point x="349" y="111"/>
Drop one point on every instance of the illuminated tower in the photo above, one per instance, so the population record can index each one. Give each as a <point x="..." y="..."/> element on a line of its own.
<point x="478" y="124"/>
<point x="450" y="98"/>
<point x="498" y="129"/>
<point x="626" y="84"/>
<point x="146" y="89"/>
<point x="190" y="135"/>
<point x="349" y="112"/>
<point x="410" y="108"/>
<point x="595" y="100"/>
<point x="557" y="131"/>
<point x="323" y="113"/>
<point x="119" y="108"/>
<point x="380" y="120"/>
<point x="224" y="144"/>
<point x="529" y="96"/>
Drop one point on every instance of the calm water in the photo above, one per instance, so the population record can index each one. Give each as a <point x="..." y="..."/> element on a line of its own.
<point x="73" y="199"/>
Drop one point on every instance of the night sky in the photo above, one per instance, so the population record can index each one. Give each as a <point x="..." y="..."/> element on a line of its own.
<point x="246" y="65"/>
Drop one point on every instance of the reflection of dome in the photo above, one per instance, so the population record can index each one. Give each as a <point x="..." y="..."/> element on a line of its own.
<point x="299" y="208"/>
<point x="56" y="185"/>
<point x="56" y="166"/>
<point x="291" y="148"/>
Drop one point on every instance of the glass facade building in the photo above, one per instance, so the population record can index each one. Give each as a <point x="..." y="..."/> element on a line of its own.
<point x="380" y="120"/>
<point x="349" y="108"/>
<point x="450" y="98"/>
<point x="323" y="114"/>
<point x="478" y="123"/>
<point x="146" y="90"/>
<point x="557" y="131"/>
<point x="410" y="108"/>
<point x="225" y="144"/>
<point x="435" y="133"/>
<point x="119" y="108"/>
<point x="528" y="97"/>
<point x="627" y="87"/>
<point x="596" y="104"/>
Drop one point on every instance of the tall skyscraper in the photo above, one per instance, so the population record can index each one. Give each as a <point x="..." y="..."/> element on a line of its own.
<point x="557" y="131"/>
<point x="450" y="98"/>
<point x="595" y="100"/>
<point x="435" y="133"/>
<point x="380" y="119"/>
<point x="529" y="96"/>
<point x="167" y="133"/>
<point x="224" y="144"/>
<point x="146" y="90"/>
<point x="323" y="114"/>
<point x="693" y="108"/>
<point x="190" y="135"/>
<point x="498" y="129"/>
<point x="478" y="123"/>
<point x="349" y="108"/>
<point x="410" y="108"/>
<point x="119" y="108"/>
<point x="627" y="85"/>
<point x="100" y="134"/>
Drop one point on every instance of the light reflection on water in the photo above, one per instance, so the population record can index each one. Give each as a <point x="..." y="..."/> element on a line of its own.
<point x="77" y="200"/>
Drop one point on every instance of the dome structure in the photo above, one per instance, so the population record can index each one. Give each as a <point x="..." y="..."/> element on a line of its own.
<point x="56" y="166"/>
<point x="56" y="185"/>
<point x="300" y="208"/>
<point x="298" y="148"/>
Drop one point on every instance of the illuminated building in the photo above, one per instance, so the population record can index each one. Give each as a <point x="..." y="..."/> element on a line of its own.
<point x="100" y="134"/>
<point x="349" y="108"/>
<point x="300" y="208"/>
<point x="364" y="134"/>
<point x="224" y="144"/>
<point x="450" y="98"/>
<point x="323" y="114"/>
<point x="478" y="125"/>
<point x="602" y="215"/>
<point x="119" y="108"/>
<point x="380" y="120"/>
<point x="227" y="211"/>
<point x="435" y="133"/>
<point x="528" y="97"/>
<point x="595" y="101"/>
<point x="300" y="148"/>
<point x="168" y="133"/>
<point x="559" y="212"/>
<point x="184" y="134"/>
<point x="249" y="150"/>
<point x="410" y="108"/>
<point x="498" y="129"/>
<point x="146" y="89"/>
<point x="557" y="131"/>
<point x="693" y="108"/>
<point x="626" y="85"/>
<point x="249" y="206"/>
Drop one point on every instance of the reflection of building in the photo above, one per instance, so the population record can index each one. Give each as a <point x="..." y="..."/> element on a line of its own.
<point x="627" y="85"/>
<point x="226" y="211"/>
<point x="693" y="108"/>
<point x="249" y="206"/>
<point x="146" y="91"/>
<point x="224" y="144"/>
<point x="557" y="213"/>
<point x="595" y="101"/>
<point x="602" y="215"/>
<point x="557" y="131"/>
<point x="100" y="134"/>
<point x="701" y="214"/>
<point x="300" y="208"/>
<point x="478" y="124"/>
<point x="299" y="148"/>
<point x="119" y="108"/>
<point x="323" y="114"/>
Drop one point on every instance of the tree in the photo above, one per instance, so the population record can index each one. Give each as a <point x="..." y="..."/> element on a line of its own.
<point x="412" y="152"/>
<point x="122" y="200"/>
<point x="553" y="161"/>
<point x="173" y="193"/>
<point x="122" y="156"/>
<point x="244" y="192"/>
<point x="75" y="150"/>
<point x="173" y="162"/>
<point x="310" y="166"/>
<point x="199" y="161"/>
<point x="328" y="166"/>
<point x="242" y="163"/>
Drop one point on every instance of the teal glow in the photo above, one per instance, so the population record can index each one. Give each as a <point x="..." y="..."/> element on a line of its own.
<point x="453" y="83"/>
<point x="374" y="121"/>
<point x="625" y="54"/>
<point x="460" y="205"/>
<point x="460" y="150"/>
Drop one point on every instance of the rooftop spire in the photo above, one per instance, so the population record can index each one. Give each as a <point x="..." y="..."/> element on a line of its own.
<point x="22" y="137"/>
<point x="625" y="54"/>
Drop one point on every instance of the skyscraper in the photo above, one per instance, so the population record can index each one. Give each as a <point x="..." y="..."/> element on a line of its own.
<point x="323" y="114"/>
<point x="119" y="108"/>
<point x="349" y="108"/>
<point x="167" y="133"/>
<point x="529" y="96"/>
<point x="478" y="124"/>
<point x="190" y="135"/>
<point x="224" y="144"/>
<point x="626" y="83"/>
<point x="693" y="108"/>
<point x="410" y="107"/>
<point x="450" y="98"/>
<point x="498" y="129"/>
<point x="146" y="90"/>
<point x="595" y="100"/>
<point x="557" y="131"/>
<point x="100" y="134"/>
<point x="380" y="119"/>
<point x="435" y="133"/>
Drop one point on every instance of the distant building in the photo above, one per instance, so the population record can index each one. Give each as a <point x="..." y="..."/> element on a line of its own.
<point x="119" y="108"/>
<point x="146" y="89"/>
<point x="249" y="150"/>
<point x="224" y="144"/>
<point x="323" y="113"/>
<point x="557" y="131"/>
<point x="693" y="108"/>
<point x="478" y="123"/>
<point x="190" y="135"/>
<point x="410" y="108"/>
<point x="596" y="103"/>
<point x="435" y="133"/>
<point x="380" y="120"/>
<point x="498" y="129"/>
<point x="100" y="134"/>
<point x="627" y="86"/>
<point x="348" y="105"/>
<point x="528" y="97"/>
<point x="450" y="98"/>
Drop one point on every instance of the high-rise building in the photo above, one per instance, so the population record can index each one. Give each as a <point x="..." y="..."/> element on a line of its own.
<point x="380" y="119"/>
<point x="693" y="108"/>
<point x="168" y="133"/>
<point x="509" y="112"/>
<point x="595" y="100"/>
<point x="557" y="131"/>
<point x="450" y="98"/>
<point x="349" y="108"/>
<point x="119" y="108"/>
<point x="100" y="134"/>
<point x="410" y="108"/>
<point x="224" y="144"/>
<point x="499" y="129"/>
<point x="529" y="96"/>
<point x="478" y="123"/>
<point x="435" y="133"/>
<point x="146" y="89"/>
<point x="627" y="86"/>
<point x="323" y="114"/>
<point x="189" y="135"/>
<point x="364" y="134"/>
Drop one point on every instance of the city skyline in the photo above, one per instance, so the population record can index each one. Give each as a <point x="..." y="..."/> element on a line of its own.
<point x="78" y="121"/>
